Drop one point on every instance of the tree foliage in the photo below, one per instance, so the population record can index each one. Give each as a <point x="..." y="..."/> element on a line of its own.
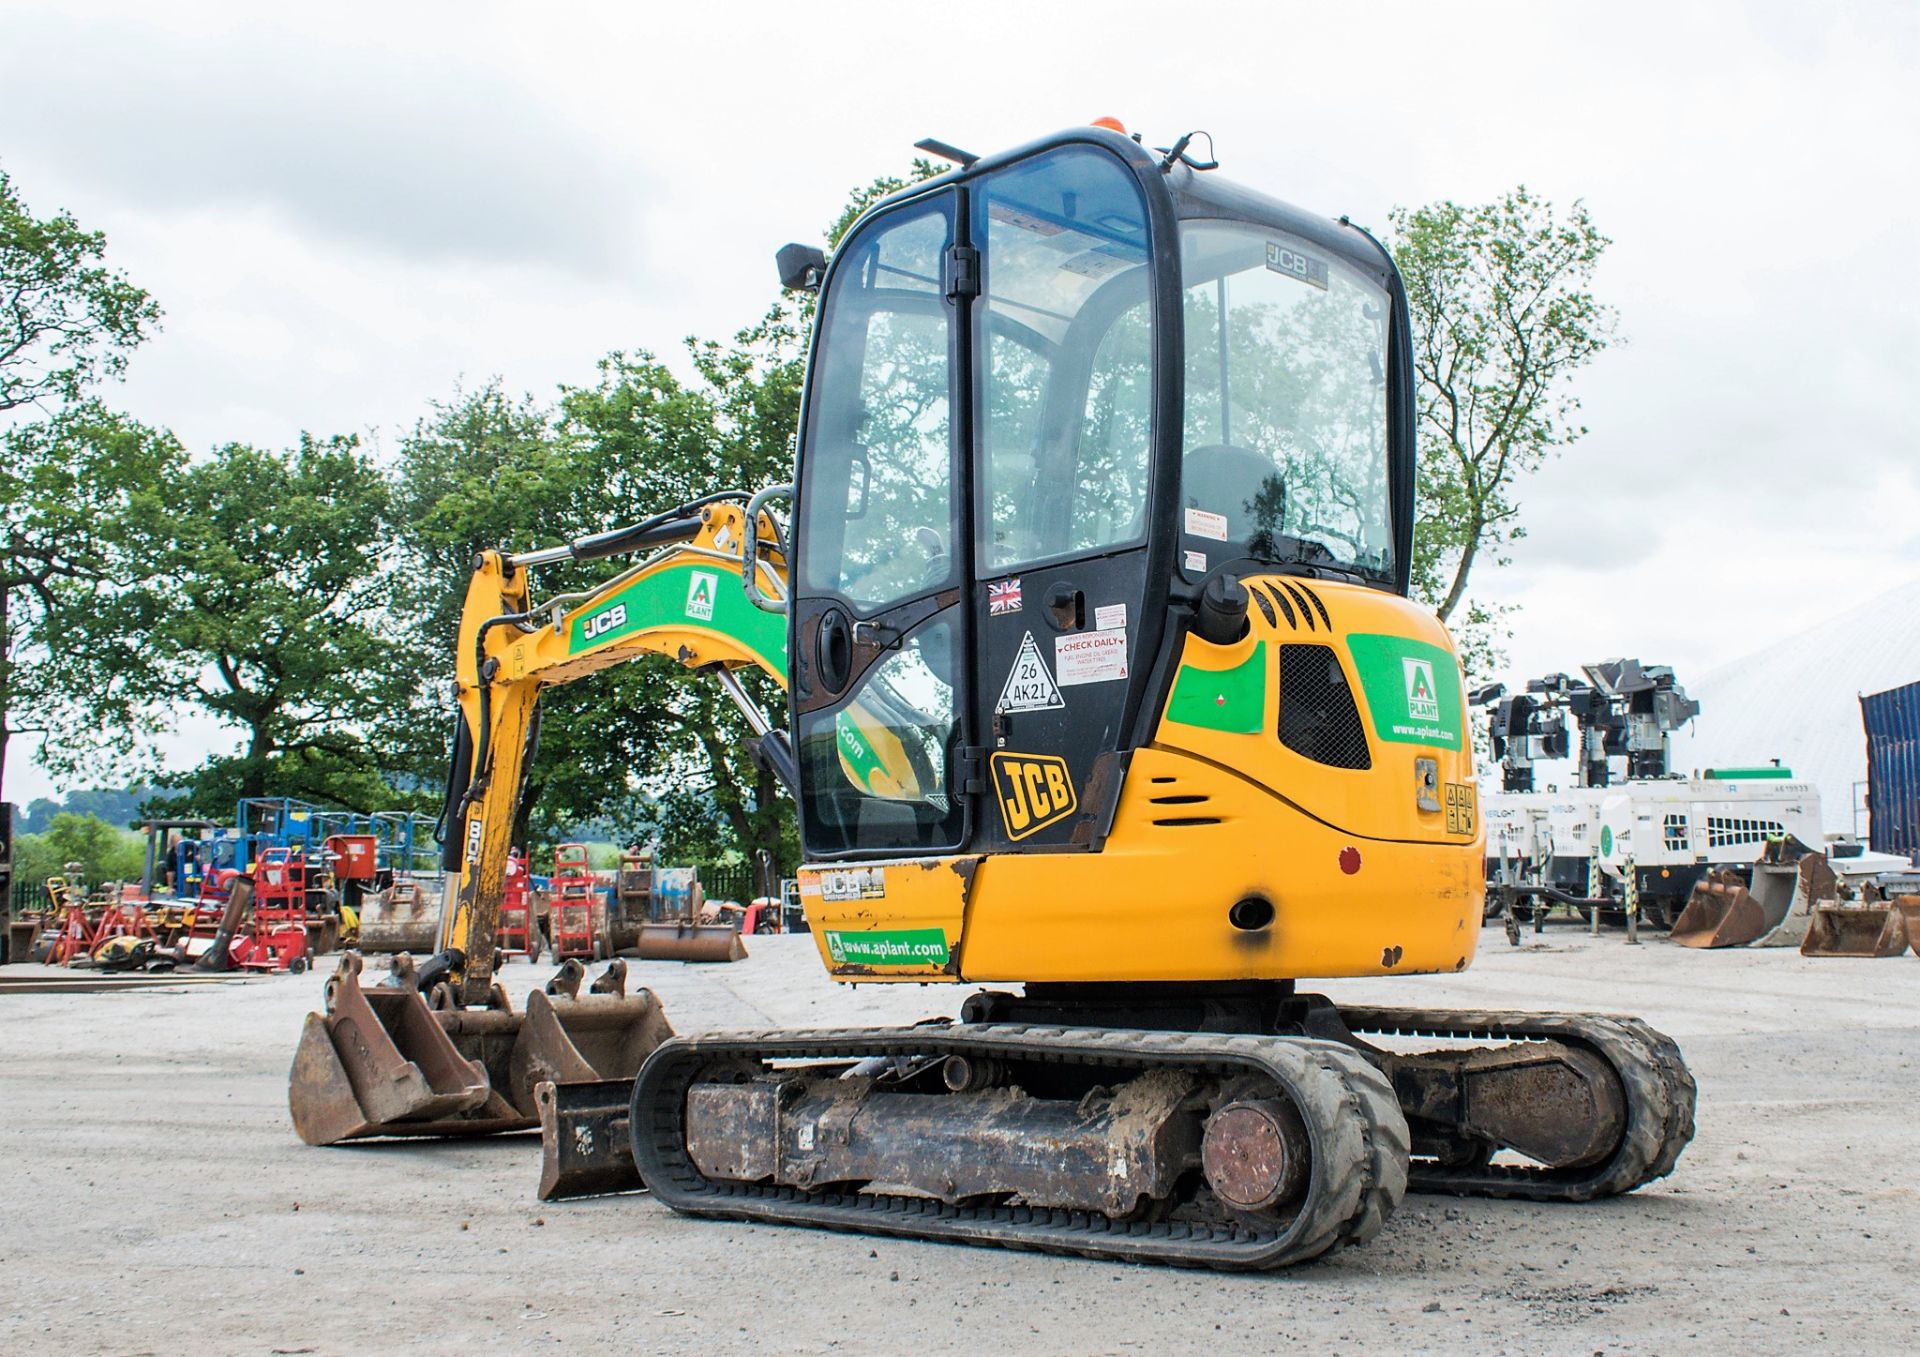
<point x="267" y="608"/>
<point x="1503" y="315"/>
<point x="71" y="471"/>
<point x="67" y="321"/>
<point x="104" y="851"/>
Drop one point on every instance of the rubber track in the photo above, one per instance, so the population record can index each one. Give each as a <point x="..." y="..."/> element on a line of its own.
<point x="1358" y="1135"/>
<point x="1660" y="1095"/>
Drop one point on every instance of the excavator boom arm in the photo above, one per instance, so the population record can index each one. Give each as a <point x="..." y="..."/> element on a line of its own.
<point x="709" y="596"/>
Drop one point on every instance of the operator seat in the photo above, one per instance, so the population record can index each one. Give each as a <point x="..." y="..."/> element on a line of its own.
<point x="1223" y="479"/>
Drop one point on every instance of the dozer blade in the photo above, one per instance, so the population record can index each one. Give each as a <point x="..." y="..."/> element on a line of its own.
<point x="1721" y="912"/>
<point x="586" y="1148"/>
<point x="1876" y="930"/>
<point x="691" y="942"/>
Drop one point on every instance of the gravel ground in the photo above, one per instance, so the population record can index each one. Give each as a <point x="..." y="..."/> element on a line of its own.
<point x="155" y="1200"/>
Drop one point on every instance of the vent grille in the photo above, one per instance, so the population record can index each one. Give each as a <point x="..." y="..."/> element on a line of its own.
<point x="1729" y="833"/>
<point x="1298" y="605"/>
<point x="1318" y="717"/>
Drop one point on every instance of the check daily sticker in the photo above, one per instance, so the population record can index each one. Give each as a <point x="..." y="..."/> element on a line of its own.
<point x="1090" y="657"/>
<point x="1202" y="523"/>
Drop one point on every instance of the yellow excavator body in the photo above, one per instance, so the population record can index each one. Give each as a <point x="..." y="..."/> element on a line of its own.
<point x="1091" y="622"/>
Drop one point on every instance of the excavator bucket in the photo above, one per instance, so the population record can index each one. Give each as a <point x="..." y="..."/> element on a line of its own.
<point x="381" y="1062"/>
<point x="1787" y="895"/>
<point x="1909" y="907"/>
<point x="402" y="918"/>
<point x="580" y="1058"/>
<point x="1770" y="910"/>
<point x="1720" y="912"/>
<point x="1842" y="928"/>
<point x="689" y="941"/>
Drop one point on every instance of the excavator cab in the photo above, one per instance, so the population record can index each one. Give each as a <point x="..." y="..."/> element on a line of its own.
<point x="1052" y="395"/>
<point x="1105" y="487"/>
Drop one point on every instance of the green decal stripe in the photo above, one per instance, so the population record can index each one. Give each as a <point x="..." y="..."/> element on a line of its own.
<point x="660" y="600"/>
<point x="1233" y="700"/>
<point x="1767" y="774"/>
<point x="889" y="947"/>
<point x="1412" y="690"/>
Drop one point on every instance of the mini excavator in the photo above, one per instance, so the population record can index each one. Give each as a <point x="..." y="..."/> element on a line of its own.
<point x="1104" y="694"/>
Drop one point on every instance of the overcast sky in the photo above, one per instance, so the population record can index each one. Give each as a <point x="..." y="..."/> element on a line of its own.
<point x="350" y="210"/>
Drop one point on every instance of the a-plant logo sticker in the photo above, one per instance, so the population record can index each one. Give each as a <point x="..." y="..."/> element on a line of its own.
<point x="1412" y="690"/>
<point x="1034" y="791"/>
<point x="1422" y="702"/>
<point x="701" y="591"/>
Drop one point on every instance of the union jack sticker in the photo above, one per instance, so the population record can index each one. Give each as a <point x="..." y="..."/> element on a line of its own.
<point x="1003" y="596"/>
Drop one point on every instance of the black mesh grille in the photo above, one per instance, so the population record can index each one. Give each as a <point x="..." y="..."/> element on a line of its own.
<point x="1318" y="718"/>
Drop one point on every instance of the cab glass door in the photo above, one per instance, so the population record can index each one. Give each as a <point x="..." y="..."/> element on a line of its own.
<point x="879" y="639"/>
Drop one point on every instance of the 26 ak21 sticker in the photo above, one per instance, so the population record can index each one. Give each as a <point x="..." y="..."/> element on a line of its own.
<point x="1030" y="685"/>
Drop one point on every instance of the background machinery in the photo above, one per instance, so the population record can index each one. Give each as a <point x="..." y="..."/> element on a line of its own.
<point x="1628" y="833"/>
<point x="1105" y="693"/>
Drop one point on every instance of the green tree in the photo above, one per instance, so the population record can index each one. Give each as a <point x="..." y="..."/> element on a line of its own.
<point x="74" y="486"/>
<point x="70" y="470"/>
<point x="1503" y="315"/>
<point x="268" y="609"/>
<point x="104" y="851"/>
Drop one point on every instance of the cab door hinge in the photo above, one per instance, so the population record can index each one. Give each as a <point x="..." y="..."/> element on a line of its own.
<point x="963" y="271"/>
<point x="972" y="770"/>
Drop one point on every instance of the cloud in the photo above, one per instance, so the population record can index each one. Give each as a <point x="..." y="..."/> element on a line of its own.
<point x="426" y="152"/>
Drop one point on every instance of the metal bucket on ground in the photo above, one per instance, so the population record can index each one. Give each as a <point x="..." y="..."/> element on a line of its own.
<point x="1720" y="912"/>
<point x="402" y="918"/>
<point x="381" y="1062"/>
<point x="1856" y="930"/>
<point x="1787" y="895"/>
<point x="1770" y="908"/>
<point x="685" y="940"/>
<point x="1909" y="907"/>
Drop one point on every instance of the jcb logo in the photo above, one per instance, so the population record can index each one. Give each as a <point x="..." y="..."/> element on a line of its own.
<point x="1034" y="791"/>
<point x="603" y="622"/>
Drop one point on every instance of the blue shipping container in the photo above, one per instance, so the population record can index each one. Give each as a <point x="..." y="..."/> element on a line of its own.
<point x="1892" y="719"/>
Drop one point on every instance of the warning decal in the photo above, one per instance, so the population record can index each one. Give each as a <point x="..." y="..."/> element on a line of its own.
<point x="1030" y="686"/>
<point x="1091" y="657"/>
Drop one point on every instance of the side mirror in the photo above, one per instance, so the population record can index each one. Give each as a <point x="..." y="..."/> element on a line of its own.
<point x="801" y="267"/>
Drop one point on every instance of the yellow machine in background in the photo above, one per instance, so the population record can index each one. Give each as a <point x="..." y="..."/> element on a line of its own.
<point x="1102" y="684"/>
